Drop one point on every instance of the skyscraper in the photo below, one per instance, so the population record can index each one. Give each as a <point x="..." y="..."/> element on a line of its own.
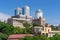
<point x="38" y="13"/>
<point x="18" y="11"/>
<point x="26" y="10"/>
<point x="21" y="15"/>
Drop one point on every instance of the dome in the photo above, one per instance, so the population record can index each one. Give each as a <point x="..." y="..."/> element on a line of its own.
<point x="38" y="10"/>
<point x="26" y="7"/>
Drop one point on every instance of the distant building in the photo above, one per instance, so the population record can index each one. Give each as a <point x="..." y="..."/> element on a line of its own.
<point x="20" y="17"/>
<point x="37" y="29"/>
<point x="59" y="27"/>
<point x="38" y="13"/>
<point x="26" y="10"/>
<point x="18" y="36"/>
<point x="45" y="31"/>
<point x="39" y="18"/>
<point x="18" y="11"/>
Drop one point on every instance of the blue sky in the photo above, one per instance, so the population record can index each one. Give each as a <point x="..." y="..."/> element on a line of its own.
<point x="50" y="8"/>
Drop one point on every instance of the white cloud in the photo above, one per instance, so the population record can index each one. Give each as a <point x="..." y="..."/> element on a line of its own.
<point x="4" y="17"/>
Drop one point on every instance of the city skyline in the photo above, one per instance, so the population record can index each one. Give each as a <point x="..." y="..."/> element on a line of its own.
<point x="50" y="8"/>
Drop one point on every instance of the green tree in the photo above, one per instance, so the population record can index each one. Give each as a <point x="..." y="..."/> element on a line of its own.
<point x="40" y="37"/>
<point x="54" y="27"/>
<point x="21" y="39"/>
<point x="26" y="24"/>
<point x="28" y="38"/>
<point x="55" y="37"/>
<point x="3" y="36"/>
<point x="27" y="28"/>
<point x="36" y="24"/>
<point x="6" y="28"/>
<point x="18" y="30"/>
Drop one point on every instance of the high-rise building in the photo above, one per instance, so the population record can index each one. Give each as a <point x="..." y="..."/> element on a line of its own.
<point x="26" y="10"/>
<point x="20" y="17"/>
<point x="18" y="11"/>
<point x="38" y="14"/>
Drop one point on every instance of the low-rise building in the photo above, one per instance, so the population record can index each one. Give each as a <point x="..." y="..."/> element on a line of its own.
<point x="17" y="36"/>
<point x="46" y="31"/>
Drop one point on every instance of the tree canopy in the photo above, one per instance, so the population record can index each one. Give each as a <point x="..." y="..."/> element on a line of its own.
<point x="42" y="37"/>
<point x="6" y="28"/>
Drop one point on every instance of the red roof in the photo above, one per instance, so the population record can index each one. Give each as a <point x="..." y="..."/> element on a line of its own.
<point x="16" y="36"/>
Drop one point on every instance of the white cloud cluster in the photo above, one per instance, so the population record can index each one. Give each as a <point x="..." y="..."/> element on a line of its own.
<point x="4" y="17"/>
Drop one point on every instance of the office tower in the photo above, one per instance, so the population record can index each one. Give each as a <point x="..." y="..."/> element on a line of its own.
<point x="18" y="11"/>
<point x="26" y="10"/>
<point x="38" y="14"/>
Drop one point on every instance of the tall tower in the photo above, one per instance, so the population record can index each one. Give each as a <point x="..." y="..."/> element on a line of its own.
<point x="18" y="11"/>
<point x="38" y="14"/>
<point x="26" y="10"/>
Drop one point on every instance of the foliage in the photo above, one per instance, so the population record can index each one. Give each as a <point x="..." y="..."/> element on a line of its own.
<point x="54" y="27"/>
<point x="6" y="28"/>
<point x="18" y="30"/>
<point x="3" y="36"/>
<point x="36" y="24"/>
<point x="41" y="37"/>
<point x="26" y="24"/>
<point x="55" y="37"/>
<point x="21" y="39"/>
<point x="27" y="28"/>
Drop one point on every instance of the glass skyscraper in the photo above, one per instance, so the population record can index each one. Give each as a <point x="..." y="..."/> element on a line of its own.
<point x="18" y="11"/>
<point x="26" y="10"/>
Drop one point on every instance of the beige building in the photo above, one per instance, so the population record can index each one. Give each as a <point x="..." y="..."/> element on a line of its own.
<point x="20" y="17"/>
<point x="18" y="22"/>
<point x="45" y="31"/>
<point x="40" y="21"/>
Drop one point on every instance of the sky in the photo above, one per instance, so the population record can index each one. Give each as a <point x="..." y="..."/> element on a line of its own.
<point x="50" y="8"/>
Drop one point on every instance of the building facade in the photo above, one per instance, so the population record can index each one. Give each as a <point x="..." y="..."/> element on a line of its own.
<point x="20" y="17"/>
<point x="38" y="13"/>
<point x="26" y="10"/>
<point x="39" y="19"/>
<point x="45" y="31"/>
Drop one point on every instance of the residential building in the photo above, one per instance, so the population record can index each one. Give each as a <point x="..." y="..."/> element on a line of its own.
<point x="45" y="31"/>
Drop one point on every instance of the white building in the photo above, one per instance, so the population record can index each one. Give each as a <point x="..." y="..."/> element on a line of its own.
<point x="39" y="19"/>
<point x="26" y="10"/>
<point x="18" y="11"/>
<point x="20" y="17"/>
<point x="38" y="13"/>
